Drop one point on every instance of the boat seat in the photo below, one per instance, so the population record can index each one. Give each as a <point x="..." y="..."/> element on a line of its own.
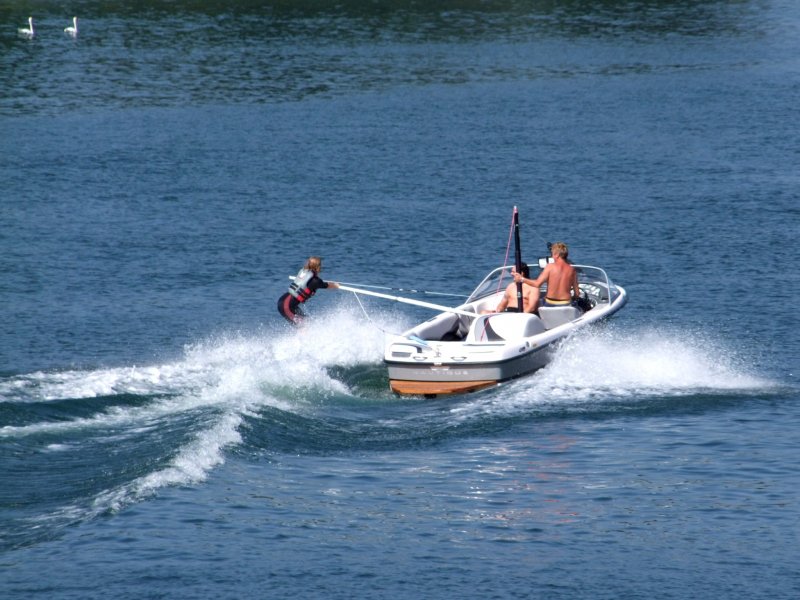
<point x="553" y="316"/>
<point x="504" y="326"/>
<point x="458" y="331"/>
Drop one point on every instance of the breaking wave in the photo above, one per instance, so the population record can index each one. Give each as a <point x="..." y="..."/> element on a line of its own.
<point x="609" y="367"/>
<point x="171" y="424"/>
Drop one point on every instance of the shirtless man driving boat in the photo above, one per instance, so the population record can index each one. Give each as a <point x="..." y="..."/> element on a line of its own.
<point x="560" y="276"/>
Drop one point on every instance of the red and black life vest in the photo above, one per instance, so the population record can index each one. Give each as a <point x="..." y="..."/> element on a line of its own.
<point x="299" y="287"/>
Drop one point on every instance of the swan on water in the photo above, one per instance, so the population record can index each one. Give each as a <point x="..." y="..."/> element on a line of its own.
<point x="27" y="32"/>
<point x="73" y="31"/>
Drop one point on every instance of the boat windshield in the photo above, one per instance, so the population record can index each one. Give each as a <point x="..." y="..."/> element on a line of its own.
<point x="494" y="282"/>
<point x="498" y="279"/>
<point x="595" y="281"/>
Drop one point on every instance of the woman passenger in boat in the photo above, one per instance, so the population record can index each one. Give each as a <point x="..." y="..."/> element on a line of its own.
<point x="560" y="276"/>
<point x="530" y="295"/>
<point x="305" y="285"/>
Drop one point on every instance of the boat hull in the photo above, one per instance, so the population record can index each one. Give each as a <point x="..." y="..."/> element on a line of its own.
<point x="453" y="378"/>
<point x="437" y="388"/>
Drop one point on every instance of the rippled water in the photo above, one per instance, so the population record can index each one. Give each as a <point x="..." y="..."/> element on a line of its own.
<point x="162" y="432"/>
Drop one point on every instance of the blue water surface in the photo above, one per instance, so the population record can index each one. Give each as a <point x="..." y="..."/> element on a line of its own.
<point x="163" y="433"/>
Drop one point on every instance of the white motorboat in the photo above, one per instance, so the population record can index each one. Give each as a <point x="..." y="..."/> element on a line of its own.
<point x="469" y="347"/>
<point x="461" y="350"/>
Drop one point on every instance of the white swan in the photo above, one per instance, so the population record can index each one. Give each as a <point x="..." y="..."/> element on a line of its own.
<point x="27" y="32"/>
<point x="73" y="31"/>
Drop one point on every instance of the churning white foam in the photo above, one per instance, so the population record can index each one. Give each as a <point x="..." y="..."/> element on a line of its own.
<point x="226" y="378"/>
<point x="220" y="366"/>
<point x="231" y="377"/>
<point x="649" y="362"/>
<point x="608" y="365"/>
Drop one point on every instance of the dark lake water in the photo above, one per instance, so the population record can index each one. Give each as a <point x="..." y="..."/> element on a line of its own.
<point x="164" y="434"/>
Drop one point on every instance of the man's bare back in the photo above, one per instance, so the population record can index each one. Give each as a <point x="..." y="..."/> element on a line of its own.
<point x="560" y="276"/>
<point x="530" y="298"/>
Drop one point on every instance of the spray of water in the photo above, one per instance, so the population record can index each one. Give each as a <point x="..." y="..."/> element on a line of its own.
<point x="646" y="362"/>
<point x="221" y="381"/>
<point x="606" y="366"/>
<point x="234" y="377"/>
